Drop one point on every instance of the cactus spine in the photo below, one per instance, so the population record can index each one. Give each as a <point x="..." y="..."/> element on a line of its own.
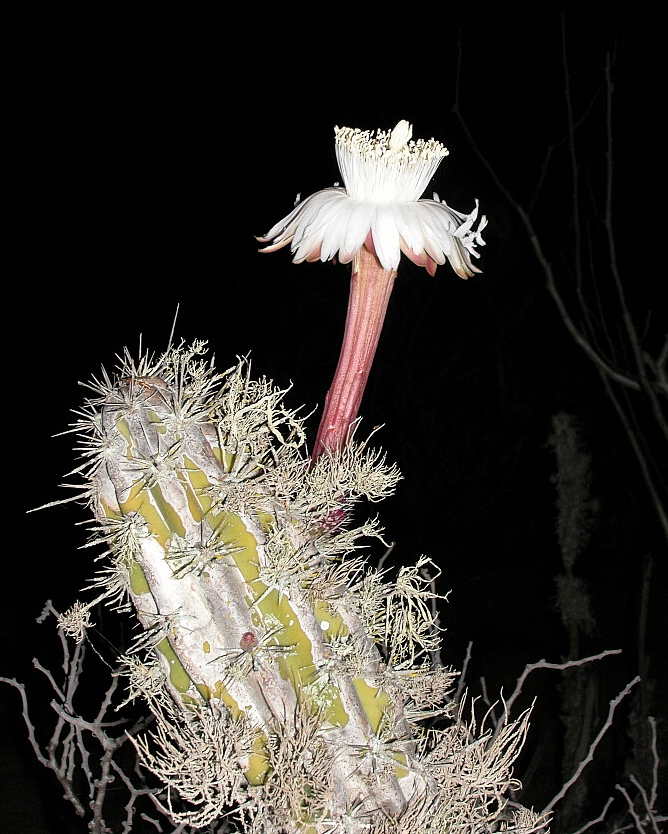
<point x="287" y="677"/>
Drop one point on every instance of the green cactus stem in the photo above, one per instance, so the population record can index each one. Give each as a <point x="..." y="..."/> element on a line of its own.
<point x="288" y="678"/>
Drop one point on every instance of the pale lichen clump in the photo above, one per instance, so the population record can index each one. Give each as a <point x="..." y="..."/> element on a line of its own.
<point x="198" y="754"/>
<point x="287" y="678"/>
<point x="145" y="677"/>
<point x="76" y="621"/>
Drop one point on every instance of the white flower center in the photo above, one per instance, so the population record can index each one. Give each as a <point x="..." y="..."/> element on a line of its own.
<point x="386" y="166"/>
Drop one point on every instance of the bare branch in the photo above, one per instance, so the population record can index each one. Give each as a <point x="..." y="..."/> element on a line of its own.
<point x="462" y="677"/>
<point x="592" y="747"/>
<point x="543" y="664"/>
<point x="20" y="688"/>
<point x="66" y="754"/>
<point x="598" y="819"/>
<point x="577" y="255"/>
<point x="631" y="330"/>
<point x="601" y="362"/>
<point x="47" y="674"/>
<point x="631" y="809"/>
<point x="50" y="762"/>
<point x="640" y="457"/>
<point x="655" y="768"/>
<point x="649" y="808"/>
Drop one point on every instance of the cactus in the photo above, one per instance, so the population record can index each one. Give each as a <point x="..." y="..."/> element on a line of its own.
<point x="288" y="678"/>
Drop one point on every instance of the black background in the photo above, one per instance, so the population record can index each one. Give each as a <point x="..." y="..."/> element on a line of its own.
<point x="147" y="154"/>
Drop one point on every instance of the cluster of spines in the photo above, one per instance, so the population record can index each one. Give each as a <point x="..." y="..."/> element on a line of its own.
<point x="306" y="511"/>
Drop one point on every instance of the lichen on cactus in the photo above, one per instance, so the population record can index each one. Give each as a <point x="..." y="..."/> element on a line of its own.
<point x="288" y="678"/>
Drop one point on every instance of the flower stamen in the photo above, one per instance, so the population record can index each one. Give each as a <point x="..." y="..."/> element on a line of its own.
<point x="386" y="166"/>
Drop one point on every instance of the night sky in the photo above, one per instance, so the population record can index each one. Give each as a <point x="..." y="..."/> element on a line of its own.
<point x="148" y="158"/>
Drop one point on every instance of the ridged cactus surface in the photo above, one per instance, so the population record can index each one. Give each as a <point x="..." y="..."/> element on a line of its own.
<point x="288" y="678"/>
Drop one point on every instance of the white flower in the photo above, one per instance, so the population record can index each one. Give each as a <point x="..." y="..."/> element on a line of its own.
<point x="384" y="175"/>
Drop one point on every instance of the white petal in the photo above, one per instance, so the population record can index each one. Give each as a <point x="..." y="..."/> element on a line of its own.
<point x="314" y="201"/>
<point x="317" y="214"/>
<point x="357" y="228"/>
<point x="455" y="233"/>
<point x="460" y="260"/>
<point x="287" y="221"/>
<point x="330" y="222"/>
<point x="386" y="236"/>
<point x="410" y="227"/>
<point x="334" y="230"/>
<point x="442" y="216"/>
<point x="313" y="226"/>
<point x="443" y="227"/>
<point x="436" y="240"/>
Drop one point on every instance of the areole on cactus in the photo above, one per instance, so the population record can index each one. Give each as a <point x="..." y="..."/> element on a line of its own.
<point x="288" y="678"/>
